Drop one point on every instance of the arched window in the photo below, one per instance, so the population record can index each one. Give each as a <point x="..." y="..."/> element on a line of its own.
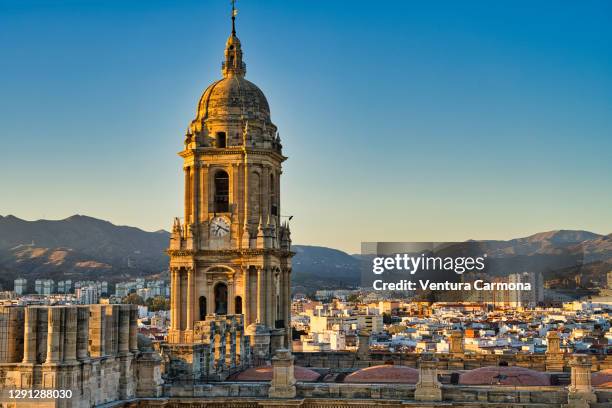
<point x="273" y="206"/>
<point x="238" y="305"/>
<point x="221" y="298"/>
<point x="221" y="140"/>
<point x="202" y="307"/>
<point x="221" y="191"/>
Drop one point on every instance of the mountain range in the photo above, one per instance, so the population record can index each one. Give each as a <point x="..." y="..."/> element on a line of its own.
<point x="82" y="247"/>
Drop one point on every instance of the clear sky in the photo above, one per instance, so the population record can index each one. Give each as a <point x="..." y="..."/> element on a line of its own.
<point x="403" y="121"/>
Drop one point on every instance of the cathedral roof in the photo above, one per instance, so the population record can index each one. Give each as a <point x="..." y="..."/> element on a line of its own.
<point x="264" y="373"/>
<point x="384" y="374"/>
<point x="233" y="97"/>
<point x="602" y="378"/>
<point x="503" y="375"/>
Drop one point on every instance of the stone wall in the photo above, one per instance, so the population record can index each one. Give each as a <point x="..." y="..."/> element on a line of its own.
<point x="446" y="361"/>
<point x="220" y="349"/>
<point x="90" y="350"/>
<point x="324" y="395"/>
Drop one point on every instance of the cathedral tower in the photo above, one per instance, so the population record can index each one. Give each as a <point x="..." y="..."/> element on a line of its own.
<point x="231" y="252"/>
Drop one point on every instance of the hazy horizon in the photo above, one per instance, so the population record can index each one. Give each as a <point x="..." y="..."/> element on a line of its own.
<point x="410" y="122"/>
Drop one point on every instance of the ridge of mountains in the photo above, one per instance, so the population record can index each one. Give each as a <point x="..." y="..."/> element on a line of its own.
<point x="81" y="247"/>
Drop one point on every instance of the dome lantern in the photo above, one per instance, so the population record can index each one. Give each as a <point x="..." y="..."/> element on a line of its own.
<point x="233" y="64"/>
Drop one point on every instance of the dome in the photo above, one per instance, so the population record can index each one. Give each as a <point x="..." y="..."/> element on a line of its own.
<point x="503" y="375"/>
<point x="233" y="111"/>
<point x="602" y="379"/>
<point x="384" y="374"/>
<point x="264" y="373"/>
<point x="233" y="97"/>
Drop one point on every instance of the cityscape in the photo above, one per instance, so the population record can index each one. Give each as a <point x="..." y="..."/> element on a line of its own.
<point x="223" y="309"/>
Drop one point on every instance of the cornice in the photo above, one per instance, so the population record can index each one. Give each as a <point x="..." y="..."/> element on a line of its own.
<point x="228" y="151"/>
<point x="230" y="252"/>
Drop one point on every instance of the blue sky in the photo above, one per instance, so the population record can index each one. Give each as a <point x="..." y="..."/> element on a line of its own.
<point x="405" y="121"/>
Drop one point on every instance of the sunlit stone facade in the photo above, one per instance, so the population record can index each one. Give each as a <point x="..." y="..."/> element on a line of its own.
<point x="230" y="255"/>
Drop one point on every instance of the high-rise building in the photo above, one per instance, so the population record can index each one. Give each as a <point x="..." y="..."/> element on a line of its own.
<point x="88" y="295"/>
<point x="21" y="286"/>
<point x="64" y="286"/>
<point x="44" y="286"/>
<point x="527" y="298"/>
<point x="230" y="254"/>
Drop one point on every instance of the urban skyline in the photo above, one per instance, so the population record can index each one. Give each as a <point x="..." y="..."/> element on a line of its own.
<point x="462" y="121"/>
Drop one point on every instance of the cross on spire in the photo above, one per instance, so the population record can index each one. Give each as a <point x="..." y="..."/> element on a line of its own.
<point x="234" y="12"/>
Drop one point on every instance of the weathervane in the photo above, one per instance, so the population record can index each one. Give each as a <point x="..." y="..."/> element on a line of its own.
<point x="234" y="12"/>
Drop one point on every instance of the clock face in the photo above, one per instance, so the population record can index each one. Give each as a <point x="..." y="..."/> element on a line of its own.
<point x="219" y="227"/>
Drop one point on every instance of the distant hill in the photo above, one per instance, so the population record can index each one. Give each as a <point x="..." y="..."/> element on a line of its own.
<point x="316" y="267"/>
<point x="81" y="247"/>
<point x="78" y="247"/>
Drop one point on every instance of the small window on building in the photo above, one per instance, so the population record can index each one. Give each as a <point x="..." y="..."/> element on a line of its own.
<point x="238" y="304"/>
<point x="221" y="140"/>
<point x="202" y="308"/>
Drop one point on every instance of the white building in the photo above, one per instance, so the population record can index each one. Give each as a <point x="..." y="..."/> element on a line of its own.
<point x="21" y="286"/>
<point x="87" y="295"/>
<point x="44" y="286"/>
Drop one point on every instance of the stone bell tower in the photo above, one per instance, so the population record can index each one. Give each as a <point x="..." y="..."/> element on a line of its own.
<point x="231" y="252"/>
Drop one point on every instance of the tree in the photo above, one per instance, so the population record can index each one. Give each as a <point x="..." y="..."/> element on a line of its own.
<point x="133" y="299"/>
<point x="158" y="303"/>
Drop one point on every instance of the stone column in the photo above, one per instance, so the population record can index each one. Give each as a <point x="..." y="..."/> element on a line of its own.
<point x="210" y="298"/>
<point x="363" y="350"/>
<point x="195" y="192"/>
<point x="187" y="196"/>
<point x="259" y="338"/>
<point x="54" y="325"/>
<point x="456" y="342"/>
<point x="124" y="329"/>
<point x="231" y="297"/>
<point x="283" y="378"/>
<point x="174" y="298"/>
<point x="97" y="329"/>
<point x="190" y="298"/>
<point x="82" y="332"/>
<point x="288" y="308"/>
<point x="456" y="351"/>
<point x="110" y="346"/>
<point x="203" y="192"/>
<point x="232" y="343"/>
<point x="149" y="383"/>
<point x="235" y="207"/>
<point x="428" y="388"/>
<point x="29" y="338"/>
<point x="554" y="355"/>
<point x="281" y="296"/>
<point x="70" y="338"/>
<point x="580" y="393"/>
<point x="246" y="295"/>
<point x="261" y="300"/>
<point x="133" y="342"/>
<point x="269" y="297"/>
<point x="14" y="320"/>
<point x="272" y="298"/>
